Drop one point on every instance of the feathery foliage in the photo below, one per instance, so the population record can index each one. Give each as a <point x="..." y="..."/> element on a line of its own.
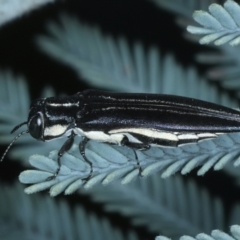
<point x="160" y="204"/>
<point x="111" y="163"/>
<point x="215" y="235"/>
<point x="112" y="64"/>
<point x="38" y="217"/>
<point x="12" y="9"/>
<point x="220" y="26"/>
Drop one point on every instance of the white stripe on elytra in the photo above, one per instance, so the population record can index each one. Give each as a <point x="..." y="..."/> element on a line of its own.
<point x="63" y="104"/>
<point x="151" y="133"/>
<point x="188" y="136"/>
<point x="206" y="135"/>
<point x="160" y="102"/>
<point x="115" y="136"/>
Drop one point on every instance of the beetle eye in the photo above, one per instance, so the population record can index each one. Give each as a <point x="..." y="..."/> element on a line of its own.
<point x="36" y="126"/>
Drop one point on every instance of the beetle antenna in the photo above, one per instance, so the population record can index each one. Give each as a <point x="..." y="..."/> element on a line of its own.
<point x="18" y="136"/>
<point x="18" y="126"/>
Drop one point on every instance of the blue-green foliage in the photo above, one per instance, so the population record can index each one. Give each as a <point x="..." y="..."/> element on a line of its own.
<point x="221" y="25"/>
<point x="108" y="63"/>
<point x="35" y="217"/>
<point x="112" y="163"/>
<point x="161" y="204"/>
<point x="171" y="206"/>
<point x="215" y="235"/>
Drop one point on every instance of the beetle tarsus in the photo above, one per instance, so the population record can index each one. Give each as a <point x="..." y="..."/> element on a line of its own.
<point x="138" y="163"/>
<point x="54" y="176"/>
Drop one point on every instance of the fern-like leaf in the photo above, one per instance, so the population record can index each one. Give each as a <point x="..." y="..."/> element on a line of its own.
<point x="220" y="26"/>
<point x="115" y="162"/>
<point x="112" y="64"/>
<point x="38" y="217"/>
<point x="215" y="235"/>
<point x="161" y="204"/>
<point x="14" y="9"/>
<point x="228" y="72"/>
<point x="226" y="29"/>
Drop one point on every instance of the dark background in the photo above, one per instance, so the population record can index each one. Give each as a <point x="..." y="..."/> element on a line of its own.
<point x="137" y="21"/>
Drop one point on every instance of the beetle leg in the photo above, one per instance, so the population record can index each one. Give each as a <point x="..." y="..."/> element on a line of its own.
<point x="65" y="147"/>
<point x="134" y="147"/>
<point x="82" y="147"/>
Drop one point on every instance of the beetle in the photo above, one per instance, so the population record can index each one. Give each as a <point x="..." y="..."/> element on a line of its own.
<point x="136" y="120"/>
